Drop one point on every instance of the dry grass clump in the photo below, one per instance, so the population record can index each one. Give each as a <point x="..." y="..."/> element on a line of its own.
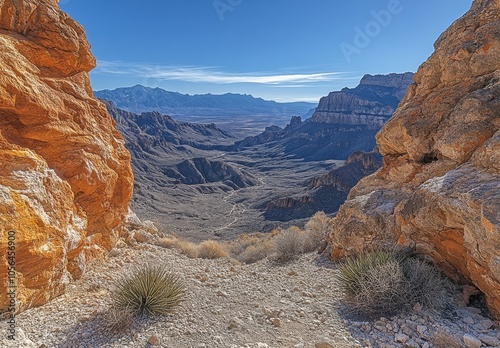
<point x="384" y="283"/>
<point x="288" y="244"/>
<point x="117" y="321"/>
<point x="187" y="248"/>
<point x="167" y="242"/>
<point x="317" y="230"/>
<point x="424" y="283"/>
<point x="148" y="290"/>
<point x="250" y="248"/>
<point x="211" y="249"/>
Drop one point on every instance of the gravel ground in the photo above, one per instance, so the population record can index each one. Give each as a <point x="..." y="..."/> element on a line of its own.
<point x="236" y="305"/>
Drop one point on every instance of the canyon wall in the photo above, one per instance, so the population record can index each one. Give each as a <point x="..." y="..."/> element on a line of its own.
<point x="65" y="175"/>
<point x="371" y="103"/>
<point x="439" y="189"/>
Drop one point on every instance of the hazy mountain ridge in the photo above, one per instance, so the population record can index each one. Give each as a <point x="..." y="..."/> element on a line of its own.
<point x="241" y="114"/>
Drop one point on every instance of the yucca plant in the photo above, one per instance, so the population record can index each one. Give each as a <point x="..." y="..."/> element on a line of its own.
<point x="353" y="271"/>
<point x="384" y="283"/>
<point x="149" y="290"/>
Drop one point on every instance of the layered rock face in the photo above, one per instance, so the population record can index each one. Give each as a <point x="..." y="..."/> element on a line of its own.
<point x="439" y="189"/>
<point x="371" y="103"/>
<point x="326" y="192"/>
<point x="65" y="176"/>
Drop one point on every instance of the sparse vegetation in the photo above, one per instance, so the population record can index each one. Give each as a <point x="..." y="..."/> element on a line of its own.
<point x="250" y="248"/>
<point x="117" y="321"/>
<point x="288" y="244"/>
<point x="148" y="290"/>
<point x="211" y="249"/>
<point x="316" y="230"/>
<point x="425" y="284"/>
<point x="280" y="245"/>
<point x="187" y="248"/>
<point x="383" y="283"/>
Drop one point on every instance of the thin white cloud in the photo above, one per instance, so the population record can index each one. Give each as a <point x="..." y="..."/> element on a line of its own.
<point x="212" y="74"/>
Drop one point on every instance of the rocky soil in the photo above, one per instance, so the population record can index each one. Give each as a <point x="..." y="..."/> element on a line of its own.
<point x="235" y="305"/>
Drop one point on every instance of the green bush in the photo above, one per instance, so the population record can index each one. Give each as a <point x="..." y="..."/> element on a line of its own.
<point x="148" y="290"/>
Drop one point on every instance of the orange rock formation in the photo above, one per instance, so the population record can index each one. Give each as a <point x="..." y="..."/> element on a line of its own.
<point x="439" y="189"/>
<point x="65" y="176"/>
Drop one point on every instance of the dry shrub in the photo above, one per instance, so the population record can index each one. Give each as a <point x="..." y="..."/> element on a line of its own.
<point x="444" y="339"/>
<point x="288" y="244"/>
<point x="148" y="290"/>
<point x="250" y="248"/>
<point x="167" y="242"/>
<point x="384" y="283"/>
<point x="353" y="270"/>
<point x="316" y="231"/>
<point x="187" y="248"/>
<point x="381" y="291"/>
<point x="256" y="252"/>
<point x="425" y="284"/>
<point x="243" y="241"/>
<point x="211" y="249"/>
<point x="117" y="321"/>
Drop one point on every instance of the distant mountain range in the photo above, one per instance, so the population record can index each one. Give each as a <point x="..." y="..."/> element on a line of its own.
<point x="234" y="112"/>
<point x="344" y="121"/>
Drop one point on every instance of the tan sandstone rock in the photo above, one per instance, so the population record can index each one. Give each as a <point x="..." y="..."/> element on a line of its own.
<point x="65" y="176"/>
<point x="439" y="189"/>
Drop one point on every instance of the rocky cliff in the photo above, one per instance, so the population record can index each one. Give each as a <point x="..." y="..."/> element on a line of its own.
<point x="65" y="176"/>
<point x="439" y="189"/>
<point x="326" y="192"/>
<point x="345" y="121"/>
<point x="371" y="103"/>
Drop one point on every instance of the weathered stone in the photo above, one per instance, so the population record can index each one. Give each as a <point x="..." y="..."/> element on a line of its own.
<point x="401" y="338"/>
<point x="65" y="176"/>
<point x="439" y="190"/>
<point x="323" y="345"/>
<point x="153" y="340"/>
<point x="471" y="341"/>
<point x="489" y="340"/>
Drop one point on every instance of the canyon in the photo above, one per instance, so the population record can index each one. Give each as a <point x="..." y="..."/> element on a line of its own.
<point x="201" y="182"/>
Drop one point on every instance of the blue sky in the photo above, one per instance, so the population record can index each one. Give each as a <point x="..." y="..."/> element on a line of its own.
<point x="285" y="50"/>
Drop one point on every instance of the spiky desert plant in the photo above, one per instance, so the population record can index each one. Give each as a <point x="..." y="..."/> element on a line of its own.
<point x="425" y="284"/>
<point x="148" y="290"/>
<point x="382" y="291"/>
<point x="383" y="283"/>
<point x="353" y="271"/>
